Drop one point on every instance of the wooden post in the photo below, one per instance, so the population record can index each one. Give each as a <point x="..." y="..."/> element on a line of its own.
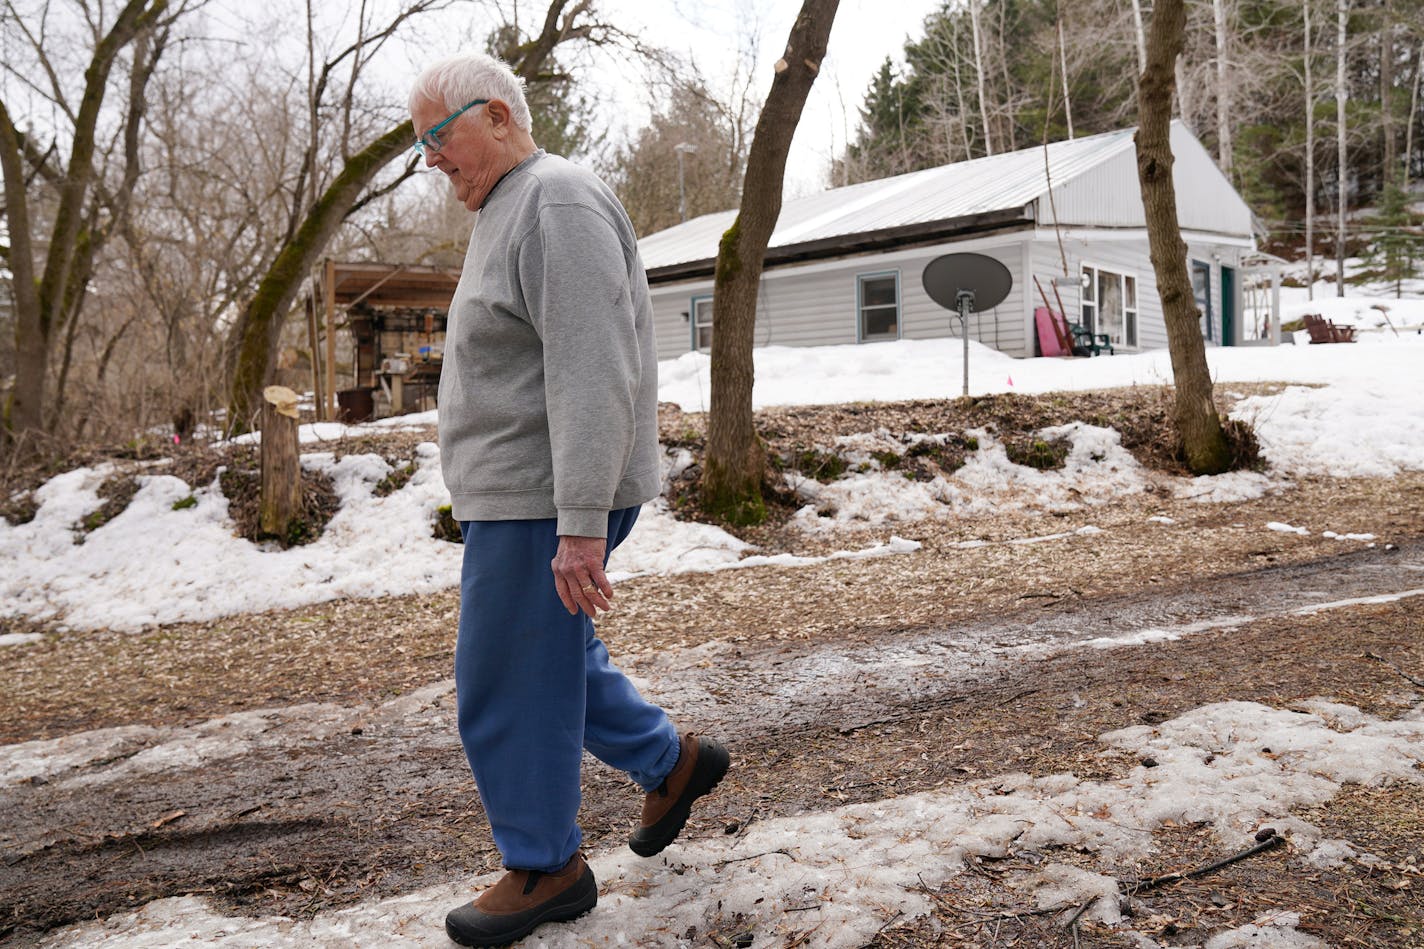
<point x="281" y="461"/>
<point x="330" y="294"/>
<point x="321" y="415"/>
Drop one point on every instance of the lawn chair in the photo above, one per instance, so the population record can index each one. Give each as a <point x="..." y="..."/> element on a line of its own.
<point x="1322" y="330"/>
<point x="1088" y="343"/>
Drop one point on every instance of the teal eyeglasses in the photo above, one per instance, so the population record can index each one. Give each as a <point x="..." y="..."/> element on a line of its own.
<point x="430" y="141"/>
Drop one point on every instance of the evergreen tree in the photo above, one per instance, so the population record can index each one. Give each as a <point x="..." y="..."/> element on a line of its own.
<point x="1398" y="239"/>
<point x="927" y="113"/>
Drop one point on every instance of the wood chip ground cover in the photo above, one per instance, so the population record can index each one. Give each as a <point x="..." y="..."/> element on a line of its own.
<point x="329" y="831"/>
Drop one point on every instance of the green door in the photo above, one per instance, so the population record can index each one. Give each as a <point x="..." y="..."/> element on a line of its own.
<point x="1228" y="306"/>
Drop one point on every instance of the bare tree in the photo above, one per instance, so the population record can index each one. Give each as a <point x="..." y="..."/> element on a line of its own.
<point x="1309" y="156"/>
<point x="1223" y="88"/>
<point x="211" y="212"/>
<point x="650" y="176"/>
<point x="979" y="76"/>
<point x="946" y="58"/>
<point x="1140" y="34"/>
<point x="731" y="483"/>
<point x="255" y="337"/>
<point x="1385" y="29"/>
<point x="87" y="206"/>
<point x="1204" y="443"/>
<point x="316" y="212"/>
<point x="1063" y="62"/>
<point x="1342" y="169"/>
<point x="1413" y="114"/>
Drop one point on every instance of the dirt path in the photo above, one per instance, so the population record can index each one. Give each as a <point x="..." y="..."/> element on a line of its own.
<point x="302" y="808"/>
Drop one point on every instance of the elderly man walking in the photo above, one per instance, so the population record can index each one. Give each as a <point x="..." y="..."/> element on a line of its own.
<point x="548" y="441"/>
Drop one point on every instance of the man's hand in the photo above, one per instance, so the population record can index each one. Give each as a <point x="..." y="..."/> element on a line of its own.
<point x="578" y="575"/>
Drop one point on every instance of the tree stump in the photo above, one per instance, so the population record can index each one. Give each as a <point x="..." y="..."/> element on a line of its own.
<point x="281" y="461"/>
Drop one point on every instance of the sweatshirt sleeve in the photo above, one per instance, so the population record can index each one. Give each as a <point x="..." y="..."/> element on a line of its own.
<point x="574" y="275"/>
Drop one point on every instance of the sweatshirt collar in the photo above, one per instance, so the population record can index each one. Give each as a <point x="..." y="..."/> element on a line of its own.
<point x="534" y="156"/>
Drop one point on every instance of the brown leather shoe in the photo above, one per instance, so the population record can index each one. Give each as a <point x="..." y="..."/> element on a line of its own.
<point x="701" y="763"/>
<point x="521" y="901"/>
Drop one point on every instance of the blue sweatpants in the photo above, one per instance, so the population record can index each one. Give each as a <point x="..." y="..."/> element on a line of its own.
<point x="535" y="687"/>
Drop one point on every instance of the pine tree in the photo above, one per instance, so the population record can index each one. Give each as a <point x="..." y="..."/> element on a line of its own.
<point x="1398" y="240"/>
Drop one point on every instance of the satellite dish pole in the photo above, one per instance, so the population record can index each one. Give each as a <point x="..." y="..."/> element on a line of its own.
<point x="965" y="300"/>
<point x="967" y="283"/>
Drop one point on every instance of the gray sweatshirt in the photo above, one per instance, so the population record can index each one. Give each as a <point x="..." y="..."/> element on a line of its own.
<point x="548" y="394"/>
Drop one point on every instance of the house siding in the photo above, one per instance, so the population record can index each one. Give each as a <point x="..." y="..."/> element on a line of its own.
<point x="1122" y="253"/>
<point x="1120" y="256"/>
<point x="1097" y="208"/>
<point x="1108" y="195"/>
<point x="815" y="304"/>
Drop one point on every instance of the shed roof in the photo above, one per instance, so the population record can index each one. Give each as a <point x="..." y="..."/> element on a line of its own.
<point x="392" y="286"/>
<point x="999" y="191"/>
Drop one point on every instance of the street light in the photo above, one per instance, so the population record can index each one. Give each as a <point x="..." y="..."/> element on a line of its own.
<point x="682" y="148"/>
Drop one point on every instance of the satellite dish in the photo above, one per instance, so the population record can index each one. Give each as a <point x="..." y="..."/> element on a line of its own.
<point x="986" y="278"/>
<point x="966" y="283"/>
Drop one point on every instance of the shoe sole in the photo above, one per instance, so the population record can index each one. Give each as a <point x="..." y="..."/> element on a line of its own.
<point x="555" y="913"/>
<point x="712" y="764"/>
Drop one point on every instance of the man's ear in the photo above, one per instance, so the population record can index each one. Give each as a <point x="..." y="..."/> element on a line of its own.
<point x="501" y="119"/>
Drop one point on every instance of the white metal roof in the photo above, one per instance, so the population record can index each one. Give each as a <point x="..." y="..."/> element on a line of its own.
<point x="1001" y="183"/>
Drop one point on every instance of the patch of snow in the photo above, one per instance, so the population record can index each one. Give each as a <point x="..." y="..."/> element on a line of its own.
<point x="1352" y="410"/>
<point x="837" y="877"/>
<point x="1276" y="930"/>
<point x="1224" y="488"/>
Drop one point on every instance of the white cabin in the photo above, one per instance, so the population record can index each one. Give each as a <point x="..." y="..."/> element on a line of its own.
<point x="845" y="265"/>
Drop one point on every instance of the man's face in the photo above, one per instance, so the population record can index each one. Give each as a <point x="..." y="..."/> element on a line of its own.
<point x="471" y="152"/>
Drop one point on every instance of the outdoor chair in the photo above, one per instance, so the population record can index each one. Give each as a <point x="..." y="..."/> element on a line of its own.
<point x="1088" y="343"/>
<point x="1322" y="330"/>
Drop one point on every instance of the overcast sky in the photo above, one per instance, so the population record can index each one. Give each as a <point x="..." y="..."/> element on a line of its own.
<point x="710" y="32"/>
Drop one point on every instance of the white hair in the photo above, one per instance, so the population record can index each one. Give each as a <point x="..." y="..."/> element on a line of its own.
<point x="460" y="79"/>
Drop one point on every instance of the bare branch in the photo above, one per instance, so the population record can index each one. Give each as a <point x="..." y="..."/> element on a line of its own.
<point x="56" y="93"/>
<point x="378" y="193"/>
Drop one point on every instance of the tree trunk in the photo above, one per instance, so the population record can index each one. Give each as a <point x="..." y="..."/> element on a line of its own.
<point x="281" y="462"/>
<point x="1186" y="109"/>
<point x="1223" y="90"/>
<point x="1204" y="444"/>
<point x="42" y="305"/>
<point x="1342" y="170"/>
<point x="1309" y="160"/>
<point x="1386" y="70"/>
<point x="731" y="484"/>
<point x="1063" y="63"/>
<point x="959" y="93"/>
<point x="979" y="75"/>
<point x="1409" y="127"/>
<point x="23" y="416"/>
<point x="259" y="329"/>
<point x="1141" y="36"/>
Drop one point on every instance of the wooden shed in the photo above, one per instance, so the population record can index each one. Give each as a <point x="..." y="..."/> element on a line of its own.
<point x="396" y="314"/>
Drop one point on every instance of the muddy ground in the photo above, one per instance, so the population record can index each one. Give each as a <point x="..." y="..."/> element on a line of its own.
<point x="835" y="683"/>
